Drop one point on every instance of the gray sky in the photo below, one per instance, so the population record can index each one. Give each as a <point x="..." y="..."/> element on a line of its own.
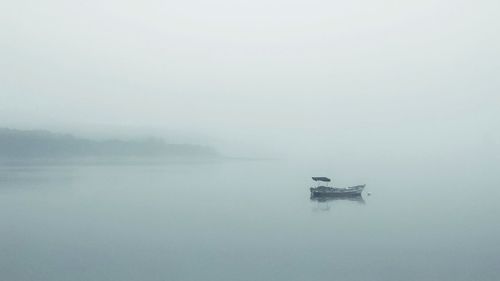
<point x="363" y="73"/>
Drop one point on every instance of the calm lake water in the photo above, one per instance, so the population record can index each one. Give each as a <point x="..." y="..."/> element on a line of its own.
<point x="247" y="220"/>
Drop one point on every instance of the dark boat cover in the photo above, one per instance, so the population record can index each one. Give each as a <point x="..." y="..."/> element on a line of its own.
<point x="321" y="179"/>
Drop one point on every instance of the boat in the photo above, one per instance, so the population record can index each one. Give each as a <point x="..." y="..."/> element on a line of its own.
<point x="327" y="191"/>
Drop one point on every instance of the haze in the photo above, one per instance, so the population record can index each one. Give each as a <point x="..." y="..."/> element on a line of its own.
<point x="181" y="138"/>
<point x="269" y="77"/>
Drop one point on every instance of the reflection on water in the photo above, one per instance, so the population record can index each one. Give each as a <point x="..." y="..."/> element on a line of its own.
<point x="241" y="221"/>
<point x="324" y="203"/>
<point x="358" y="199"/>
<point x="18" y="178"/>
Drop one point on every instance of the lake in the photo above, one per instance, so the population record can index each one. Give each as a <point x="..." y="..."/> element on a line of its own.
<point x="248" y="220"/>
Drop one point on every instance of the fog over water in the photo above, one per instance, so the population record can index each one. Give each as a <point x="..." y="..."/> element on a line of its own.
<point x="373" y="74"/>
<point x="401" y="96"/>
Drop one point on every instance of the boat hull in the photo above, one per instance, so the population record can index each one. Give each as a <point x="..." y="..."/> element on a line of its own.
<point x="323" y="191"/>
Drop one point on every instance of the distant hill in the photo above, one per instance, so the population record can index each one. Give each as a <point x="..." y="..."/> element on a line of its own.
<point x="19" y="144"/>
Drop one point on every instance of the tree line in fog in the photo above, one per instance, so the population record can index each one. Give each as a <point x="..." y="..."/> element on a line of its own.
<point x="19" y="144"/>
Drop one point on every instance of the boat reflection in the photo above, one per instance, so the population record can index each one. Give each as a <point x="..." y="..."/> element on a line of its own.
<point x="358" y="199"/>
<point x="323" y="203"/>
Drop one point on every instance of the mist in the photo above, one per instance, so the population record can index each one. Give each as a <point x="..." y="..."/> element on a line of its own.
<point x="276" y="78"/>
<point x="176" y="140"/>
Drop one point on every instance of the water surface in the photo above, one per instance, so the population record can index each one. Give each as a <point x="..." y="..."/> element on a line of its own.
<point x="245" y="220"/>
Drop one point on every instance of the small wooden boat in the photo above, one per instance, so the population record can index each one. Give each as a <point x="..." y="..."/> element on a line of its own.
<point x="327" y="191"/>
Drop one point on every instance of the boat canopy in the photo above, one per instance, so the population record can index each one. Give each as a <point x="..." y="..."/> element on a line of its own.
<point x="321" y="179"/>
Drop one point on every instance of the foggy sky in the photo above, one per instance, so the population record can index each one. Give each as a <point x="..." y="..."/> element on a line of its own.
<point x="359" y="75"/>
